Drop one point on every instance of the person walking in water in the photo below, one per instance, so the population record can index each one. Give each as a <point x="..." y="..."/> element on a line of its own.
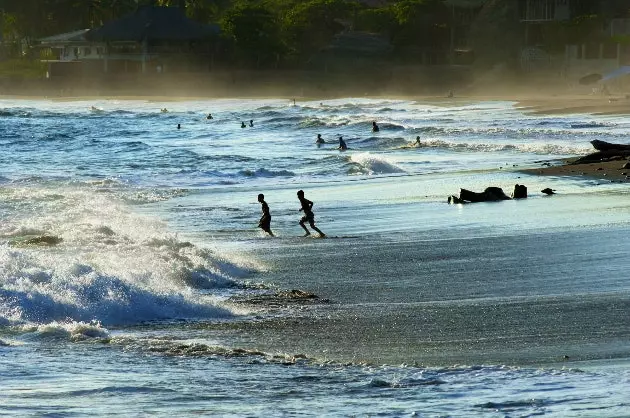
<point x="265" y="219"/>
<point x="320" y="140"/>
<point x="243" y="125"/>
<point x="375" y="127"/>
<point x="309" y="217"/>
<point x="251" y="123"/>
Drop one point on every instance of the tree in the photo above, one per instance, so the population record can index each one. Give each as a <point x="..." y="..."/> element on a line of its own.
<point x="422" y="23"/>
<point x="254" y="30"/>
<point x="312" y="25"/>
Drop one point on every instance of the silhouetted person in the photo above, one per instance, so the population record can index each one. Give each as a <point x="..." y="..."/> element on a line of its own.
<point x="417" y="143"/>
<point x="309" y="217"/>
<point x="319" y="139"/>
<point x="342" y="144"/>
<point x="251" y="123"/>
<point x="179" y="126"/>
<point x="243" y="125"/>
<point x="209" y="116"/>
<point x="265" y="220"/>
<point x="375" y="127"/>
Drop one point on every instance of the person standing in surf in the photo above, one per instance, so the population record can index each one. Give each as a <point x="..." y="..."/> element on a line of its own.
<point x="265" y="219"/>
<point x="309" y="216"/>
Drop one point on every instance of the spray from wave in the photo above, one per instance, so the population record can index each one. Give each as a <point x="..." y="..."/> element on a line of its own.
<point x="105" y="263"/>
<point x="366" y="163"/>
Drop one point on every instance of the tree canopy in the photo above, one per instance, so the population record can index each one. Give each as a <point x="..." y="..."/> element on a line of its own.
<point x="259" y="33"/>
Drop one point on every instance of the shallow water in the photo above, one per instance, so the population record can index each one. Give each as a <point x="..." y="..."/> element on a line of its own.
<point x="132" y="271"/>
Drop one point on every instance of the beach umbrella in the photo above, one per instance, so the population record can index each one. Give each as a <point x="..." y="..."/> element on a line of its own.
<point x="590" y="79"/>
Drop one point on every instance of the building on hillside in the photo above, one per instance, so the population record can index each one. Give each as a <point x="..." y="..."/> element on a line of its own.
<point x="600" y="50"/>
<point x="65" y="52"/>
<point x="150" y="40"/>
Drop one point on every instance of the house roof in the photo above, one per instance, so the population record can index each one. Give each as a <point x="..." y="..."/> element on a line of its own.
<point x="153" y="23"/>
<point x="68" y="37"/>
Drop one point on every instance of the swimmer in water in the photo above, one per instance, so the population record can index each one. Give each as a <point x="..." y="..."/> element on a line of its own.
<point x="342" y="144"/>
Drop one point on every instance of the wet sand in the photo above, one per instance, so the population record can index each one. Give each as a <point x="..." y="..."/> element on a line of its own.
<point x="611" y="170"/>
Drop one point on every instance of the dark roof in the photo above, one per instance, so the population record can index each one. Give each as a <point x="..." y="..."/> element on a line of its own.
<point x="153" y="23"/>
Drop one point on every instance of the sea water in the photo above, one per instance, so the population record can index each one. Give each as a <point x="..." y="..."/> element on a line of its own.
<point x="134" y="281"/>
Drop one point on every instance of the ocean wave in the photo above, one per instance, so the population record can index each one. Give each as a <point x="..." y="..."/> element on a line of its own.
<point x="379" y="142"/>
<point x="539" y="148"/>
<point x="311" y="122"/>
<point x="263" y="172"/>
<point x="73" y="331"/>
<point x="524" y="133"/>
<point x="17" y="112"/>
<point x="107" y="264"/>
<point x="589" y="125"/>
<point x="367" y="163"/>
<point x="390" y="126"/>
<point x="39" y="294"/>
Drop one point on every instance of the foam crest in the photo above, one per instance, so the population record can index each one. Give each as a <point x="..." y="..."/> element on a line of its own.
<point x="542" y="148"/>
<point x="109" y="264"/>
<point x="263" y="172"/>
<point x="74" y="331"/>
<point x="367" y="163"/>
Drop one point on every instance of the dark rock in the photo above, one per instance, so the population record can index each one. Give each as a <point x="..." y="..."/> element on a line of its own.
<point x="520" y="191"/>
<point x="454" y="200"/>
<point x="491" y="194"/>
<point x="548" y="191"/>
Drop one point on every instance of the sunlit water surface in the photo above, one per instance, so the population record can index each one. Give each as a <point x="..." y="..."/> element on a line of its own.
<point x="133" y="279"/>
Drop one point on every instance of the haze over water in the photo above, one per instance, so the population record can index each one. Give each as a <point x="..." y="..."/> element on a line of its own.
<point x="133" y="279"/>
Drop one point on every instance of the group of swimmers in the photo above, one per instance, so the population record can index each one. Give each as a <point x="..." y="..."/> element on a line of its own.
<point x="343" y="146"/>
<point x="306" y="207"/>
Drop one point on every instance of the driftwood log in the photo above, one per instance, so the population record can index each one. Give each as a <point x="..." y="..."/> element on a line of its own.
<point x="491" y="194"/>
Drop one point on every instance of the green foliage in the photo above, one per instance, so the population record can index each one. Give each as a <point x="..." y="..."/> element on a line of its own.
<point x="255" y="31"/>
<point x="381" y="20"/>
<point x="423" y="23"/>
<point x="311" y="25"/>
<point x="22" y="68"/>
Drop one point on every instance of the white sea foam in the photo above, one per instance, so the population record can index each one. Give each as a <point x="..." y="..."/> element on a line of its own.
<point x="375" y="164"/>
<point x="109" y="265"/>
